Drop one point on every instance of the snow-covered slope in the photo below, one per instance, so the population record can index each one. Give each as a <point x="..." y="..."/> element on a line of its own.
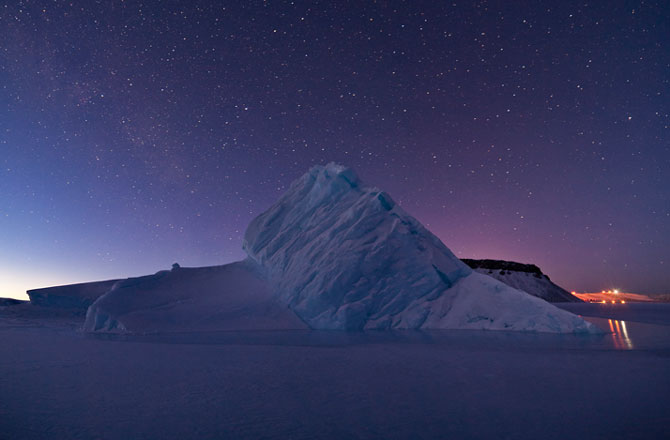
<point x="526" y="277"/>
<point x="481" y="302"/>
<point x="230" y="297"/>
<point x="345" y="256"/>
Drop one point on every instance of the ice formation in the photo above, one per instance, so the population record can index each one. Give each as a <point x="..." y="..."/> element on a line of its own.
<point x="331" y="253"/>
<point x="345" y="256"/>
<point x="230" y="297"/>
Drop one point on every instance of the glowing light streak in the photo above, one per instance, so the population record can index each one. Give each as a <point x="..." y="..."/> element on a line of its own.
<point x="615" y="336"/>
<point x="620" y="335"/>
<point x="626" y="339"/>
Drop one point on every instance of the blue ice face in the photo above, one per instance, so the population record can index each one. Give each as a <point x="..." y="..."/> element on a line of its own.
<point x="346" y="256"/>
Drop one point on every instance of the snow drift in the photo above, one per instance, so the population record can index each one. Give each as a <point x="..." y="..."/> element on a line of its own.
<point x="331" y="253"/>
<point x="230" y="297"/>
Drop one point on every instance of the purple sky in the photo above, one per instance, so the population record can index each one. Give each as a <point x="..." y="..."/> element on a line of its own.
<point x="137" y="134"/>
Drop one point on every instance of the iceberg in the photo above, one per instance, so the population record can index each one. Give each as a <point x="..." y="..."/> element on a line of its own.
<point x="330" y="254"/>
<point x="346" y="256"/>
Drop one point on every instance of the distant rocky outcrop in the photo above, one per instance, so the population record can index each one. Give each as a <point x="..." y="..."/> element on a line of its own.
<point x="526" y="277"/>
<point x="71" y="296"/>
<point x="503" y="265"/>
<point x="4" y="302"/>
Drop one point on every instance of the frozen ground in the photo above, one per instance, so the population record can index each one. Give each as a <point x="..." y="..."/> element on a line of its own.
<point x="58" y="383"/>
<point x="653" y="313"/>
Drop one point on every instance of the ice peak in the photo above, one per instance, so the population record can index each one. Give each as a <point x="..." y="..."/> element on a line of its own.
<point x="344" y="254"/>
<point x="334" y="170"/>
<point x="326" y="182"/>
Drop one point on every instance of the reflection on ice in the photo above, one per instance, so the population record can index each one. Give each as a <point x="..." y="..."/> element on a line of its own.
<point x="620" y="335"/>
<point x="629" y="332"/>
<point x="617" y="335"/>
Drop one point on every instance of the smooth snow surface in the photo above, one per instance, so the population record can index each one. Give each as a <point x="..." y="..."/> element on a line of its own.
<point x="58" y="383"/>
<point x="345" y="256"/>
<point x="230" y="297"/>
<point x="481" y="302"/>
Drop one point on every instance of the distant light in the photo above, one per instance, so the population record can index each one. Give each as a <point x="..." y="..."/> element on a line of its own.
<point x="604" y="302"/>
<point x="573" y="292"/>
<point x="604" y="291"/>
<point x="623" y="302"/>
<point x="616" y="291"/>
<point x="609" y="291"/>
<point x="613" y="302"/>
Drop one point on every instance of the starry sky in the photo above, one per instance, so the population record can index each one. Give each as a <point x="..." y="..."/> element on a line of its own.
<point x="136" y="134"/>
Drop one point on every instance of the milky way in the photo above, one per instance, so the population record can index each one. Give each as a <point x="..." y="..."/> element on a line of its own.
<point x="137" y="134"/>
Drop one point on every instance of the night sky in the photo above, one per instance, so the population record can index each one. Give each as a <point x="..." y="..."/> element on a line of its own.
<point x="138" y="134"/>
